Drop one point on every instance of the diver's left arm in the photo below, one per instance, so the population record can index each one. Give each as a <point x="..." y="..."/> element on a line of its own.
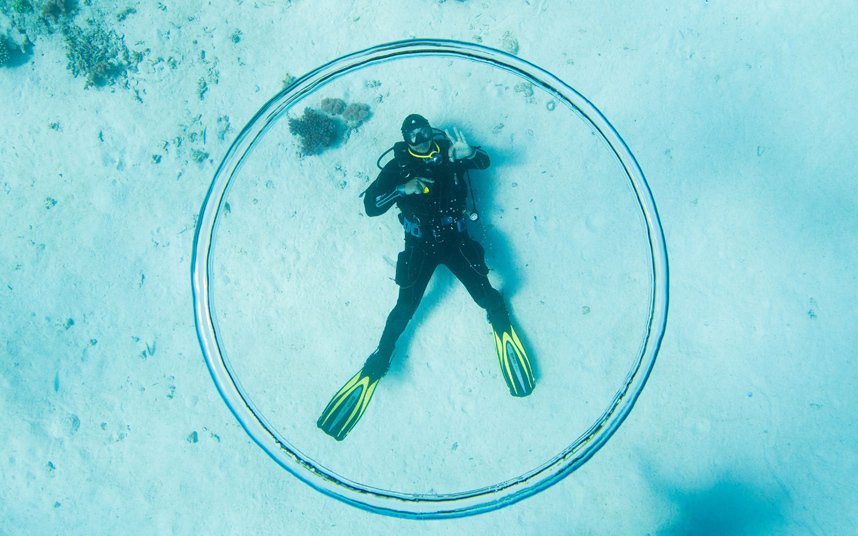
<point x="478" y="160"/>
<point x="464" y="155"/>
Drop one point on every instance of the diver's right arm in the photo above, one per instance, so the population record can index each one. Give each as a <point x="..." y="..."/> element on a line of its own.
<point x="382" y="193"/>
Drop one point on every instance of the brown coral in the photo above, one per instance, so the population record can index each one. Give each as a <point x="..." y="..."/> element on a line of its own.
<point x="317" y="131"/>
<point x="333" y="106"/>
<point x="356" y="114"/>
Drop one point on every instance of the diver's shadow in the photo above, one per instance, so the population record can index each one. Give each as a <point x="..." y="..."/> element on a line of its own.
<point x="500" y="256"/>
<point x="728" y="506"/>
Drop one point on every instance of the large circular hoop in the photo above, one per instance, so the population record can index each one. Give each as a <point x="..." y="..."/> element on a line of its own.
<point x="412" y="505"/>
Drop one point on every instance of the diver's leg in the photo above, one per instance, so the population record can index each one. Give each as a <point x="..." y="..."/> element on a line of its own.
<point x="414" y="269"/>
<point x="467" y="261"/>
<point x="469" y="265"/>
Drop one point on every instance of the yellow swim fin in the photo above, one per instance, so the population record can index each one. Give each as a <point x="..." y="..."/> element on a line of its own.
<point x="347" y="406"/>
<point x="514" y="363"/>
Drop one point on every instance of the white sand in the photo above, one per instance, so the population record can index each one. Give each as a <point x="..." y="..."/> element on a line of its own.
<point x="743" y="120"/>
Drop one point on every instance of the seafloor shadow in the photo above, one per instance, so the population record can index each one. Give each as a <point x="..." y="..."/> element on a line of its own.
<point x="500" y="255"/>
<point x="728" y="506"/>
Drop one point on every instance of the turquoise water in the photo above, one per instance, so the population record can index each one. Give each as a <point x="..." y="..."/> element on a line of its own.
<point x="741" y="118"/>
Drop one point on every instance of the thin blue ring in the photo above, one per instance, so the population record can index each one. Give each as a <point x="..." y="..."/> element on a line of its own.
<point x="409" y="505"/>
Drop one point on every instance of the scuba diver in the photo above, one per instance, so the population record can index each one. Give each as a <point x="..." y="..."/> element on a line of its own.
<point x="427" y="179"/>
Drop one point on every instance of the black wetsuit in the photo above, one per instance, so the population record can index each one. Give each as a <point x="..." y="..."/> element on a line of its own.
<point x="435" y="233"/>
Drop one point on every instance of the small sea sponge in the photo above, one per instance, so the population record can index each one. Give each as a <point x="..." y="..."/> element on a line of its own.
<point x="356" y="114"/>
<point x="510" y="43"/>
<point x="525" y="88"/>
<point x="333" y="106"/>
<point x="99" y="55"/>
<point x="317" y="131"/>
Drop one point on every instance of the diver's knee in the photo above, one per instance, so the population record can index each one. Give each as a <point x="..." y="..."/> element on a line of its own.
<point x="404" y="310"/>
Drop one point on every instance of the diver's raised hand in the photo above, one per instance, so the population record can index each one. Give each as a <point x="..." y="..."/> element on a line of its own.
<point x="459" y="148"/>
<point x="417" y="185"/>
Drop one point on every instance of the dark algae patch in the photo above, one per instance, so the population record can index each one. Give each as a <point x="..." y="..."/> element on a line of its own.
<point x="99" y="55"/>
<point x="95" y="51"/>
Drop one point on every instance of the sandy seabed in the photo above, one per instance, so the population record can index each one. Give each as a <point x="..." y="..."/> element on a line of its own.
<point x="741" y="117"/>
